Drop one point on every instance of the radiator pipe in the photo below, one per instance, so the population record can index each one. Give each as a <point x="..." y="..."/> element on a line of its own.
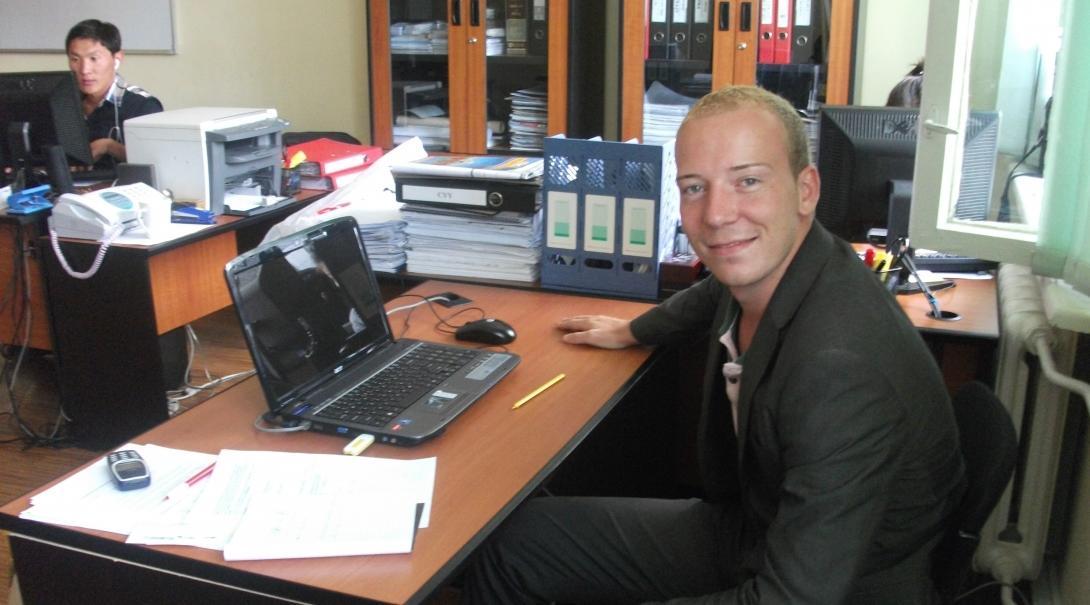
<point x="1019" y="293"/>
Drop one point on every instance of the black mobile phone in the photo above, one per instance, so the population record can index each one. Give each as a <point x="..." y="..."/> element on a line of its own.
<point x="128" y="469"/>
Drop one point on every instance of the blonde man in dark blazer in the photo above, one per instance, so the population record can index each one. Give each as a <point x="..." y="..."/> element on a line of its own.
<point x="828" y="446"/>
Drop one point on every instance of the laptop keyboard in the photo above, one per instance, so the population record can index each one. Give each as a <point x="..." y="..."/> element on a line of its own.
<point x="385" y="395"/>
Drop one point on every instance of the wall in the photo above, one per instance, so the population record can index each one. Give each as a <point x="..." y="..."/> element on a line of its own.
<point x="308" y="63"/>
<point x="890" y="38"/>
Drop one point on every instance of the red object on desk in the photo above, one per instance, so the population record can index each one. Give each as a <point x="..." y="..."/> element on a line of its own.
<point x="326" y="156"/>
<point x="190" y="482"/>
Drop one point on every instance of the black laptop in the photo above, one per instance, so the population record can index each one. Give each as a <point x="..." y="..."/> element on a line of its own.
<point x="312" y="315"/>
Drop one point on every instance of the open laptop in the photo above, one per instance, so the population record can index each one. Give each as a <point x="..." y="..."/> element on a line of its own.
<point x="312" y="316"/>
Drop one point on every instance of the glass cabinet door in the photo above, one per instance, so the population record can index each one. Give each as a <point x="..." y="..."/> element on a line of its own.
<point x="411" y="76"/>
<point x="466" y="76"/>
<point x="517" y="74"/>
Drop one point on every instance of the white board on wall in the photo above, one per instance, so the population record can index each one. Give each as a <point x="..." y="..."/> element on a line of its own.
<point x="147" y="26"/>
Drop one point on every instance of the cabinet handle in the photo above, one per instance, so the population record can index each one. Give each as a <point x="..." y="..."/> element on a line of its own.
<point x="745" y="17"/>
<point x="724" y="16"/>
<point x="456" y="12"/>
<point x="474" y="13"/>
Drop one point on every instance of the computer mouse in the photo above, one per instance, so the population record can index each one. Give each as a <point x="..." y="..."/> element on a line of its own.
<point x="489" y="330"/>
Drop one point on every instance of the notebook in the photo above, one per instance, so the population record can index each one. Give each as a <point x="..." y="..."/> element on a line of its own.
<point x="312" y="316"/>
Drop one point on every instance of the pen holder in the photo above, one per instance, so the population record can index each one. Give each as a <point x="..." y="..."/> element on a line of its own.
<point x="891" y="278"/>
<point x="290" y="183"/>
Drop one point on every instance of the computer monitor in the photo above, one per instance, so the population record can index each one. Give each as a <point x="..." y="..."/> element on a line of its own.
<point x="38" y="110"/>
<point x="863" y="150"/>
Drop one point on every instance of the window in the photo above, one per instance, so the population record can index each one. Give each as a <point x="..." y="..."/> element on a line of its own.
<point x="1010" y="56"/>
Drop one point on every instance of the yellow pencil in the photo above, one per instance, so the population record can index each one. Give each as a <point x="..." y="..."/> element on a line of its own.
<point x="537" y="391"/>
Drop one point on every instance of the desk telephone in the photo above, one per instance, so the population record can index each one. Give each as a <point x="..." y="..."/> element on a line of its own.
<point x="103" y="215"/>
<point x="96" y="215"/>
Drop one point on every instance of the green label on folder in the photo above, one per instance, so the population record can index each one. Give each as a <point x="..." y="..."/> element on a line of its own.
<point x="638" y="237"/>
<point x="562" y="229"/>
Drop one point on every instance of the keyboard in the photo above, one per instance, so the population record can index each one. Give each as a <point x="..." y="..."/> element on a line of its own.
<point x="382" y="397"/>
<point x="942" y="262"/>
<point x="96" y="175"/>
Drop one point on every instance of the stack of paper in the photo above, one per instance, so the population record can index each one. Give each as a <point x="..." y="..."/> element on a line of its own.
<point x="427" y="38"/>
<point x="385" y="244"/>
<point x="529" y="118"/>
<point x="254" y="505"/>
<point x="456" y="243"/>
<point x="663" y="111"/>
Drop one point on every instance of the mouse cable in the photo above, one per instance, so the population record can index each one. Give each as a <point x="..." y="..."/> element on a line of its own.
<point x="425" y="300"/>
<point x="429" y="300"/>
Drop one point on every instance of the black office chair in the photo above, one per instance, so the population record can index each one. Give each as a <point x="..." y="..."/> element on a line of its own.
<point x="989" y="447"/>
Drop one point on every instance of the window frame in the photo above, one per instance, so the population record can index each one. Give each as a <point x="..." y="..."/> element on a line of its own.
<point x="944" y="108"/>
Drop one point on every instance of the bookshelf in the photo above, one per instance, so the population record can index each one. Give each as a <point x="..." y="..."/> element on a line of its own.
<point x="463" y="57"/>
<point x="733" y="55"/>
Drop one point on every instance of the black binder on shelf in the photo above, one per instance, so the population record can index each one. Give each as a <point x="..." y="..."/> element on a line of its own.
<point x="679" y="30"/>
<point x="539" y="30"/>
<point x="701" y="44"/>
<point x="489" y="195"/>
<point x="806" y="28"/>
<point x="657" y="23"/>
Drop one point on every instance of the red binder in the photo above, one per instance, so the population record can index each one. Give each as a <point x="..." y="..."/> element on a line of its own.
<point x="332" y="180"/>
<point x="326" y="156"/>
<point x="766" y="32"/>
<point x="784" y="13"/>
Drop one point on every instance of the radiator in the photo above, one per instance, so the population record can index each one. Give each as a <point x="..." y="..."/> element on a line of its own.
<point x="1032" y="355"/>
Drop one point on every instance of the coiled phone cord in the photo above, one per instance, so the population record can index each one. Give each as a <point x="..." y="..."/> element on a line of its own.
<point x="106" y="241"/>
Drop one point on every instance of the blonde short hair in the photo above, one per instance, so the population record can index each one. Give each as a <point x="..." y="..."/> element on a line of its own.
<point x="730" y="98"/>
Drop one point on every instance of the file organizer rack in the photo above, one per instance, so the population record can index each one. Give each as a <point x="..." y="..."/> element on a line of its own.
<point x="611" y="212"/>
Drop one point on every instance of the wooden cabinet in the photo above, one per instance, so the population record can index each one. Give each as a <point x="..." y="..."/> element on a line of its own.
<point x="464" y="74"/>
<point x="735" y="27"/>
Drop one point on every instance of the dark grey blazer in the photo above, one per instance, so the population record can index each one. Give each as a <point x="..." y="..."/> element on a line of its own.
<point x="846" y="462"/>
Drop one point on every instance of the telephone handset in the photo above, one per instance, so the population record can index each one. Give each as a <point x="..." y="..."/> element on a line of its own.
<point x="94" y="217"/>
<point x="104" y="215"/>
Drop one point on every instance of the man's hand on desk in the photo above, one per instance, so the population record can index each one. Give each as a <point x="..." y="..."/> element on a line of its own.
<point x="598" y="331"/>
<point x="107" y="146"/>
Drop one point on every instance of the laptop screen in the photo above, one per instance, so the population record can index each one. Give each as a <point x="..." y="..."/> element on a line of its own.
<point x="310" y="306"/>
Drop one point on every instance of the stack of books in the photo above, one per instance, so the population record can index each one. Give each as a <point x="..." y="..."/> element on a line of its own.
<point x="434" y="132"/>
<point x="426" y="38"/>
<point x="472" y="216"/>
<point x="326" y="164"/>
<point x="495" y="34"/>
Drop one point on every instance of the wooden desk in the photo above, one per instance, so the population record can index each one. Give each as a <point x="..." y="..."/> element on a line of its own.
<point x="489" y="460"/>
<point x="106" y="329"/>
<point x="17" y="233"/>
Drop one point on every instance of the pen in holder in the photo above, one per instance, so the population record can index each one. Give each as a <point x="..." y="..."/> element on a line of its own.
<point x="936" y="312"/>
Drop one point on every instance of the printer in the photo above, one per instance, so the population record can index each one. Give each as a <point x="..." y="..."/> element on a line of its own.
<point x="201" y="153"/>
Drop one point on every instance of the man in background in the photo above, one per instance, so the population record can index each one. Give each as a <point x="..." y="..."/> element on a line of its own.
<point x="94" y="56"/>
